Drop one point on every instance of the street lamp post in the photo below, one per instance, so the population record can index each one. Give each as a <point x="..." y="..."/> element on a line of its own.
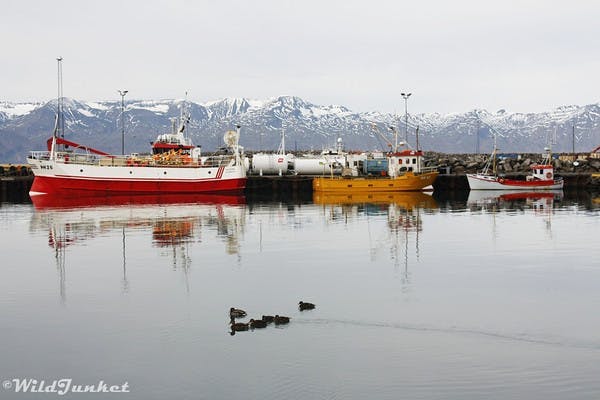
<point x="405" y="96"/>
<point x="123" y="93"/>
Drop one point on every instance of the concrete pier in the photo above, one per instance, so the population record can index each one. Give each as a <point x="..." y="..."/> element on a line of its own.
<point x="16" y="188"/>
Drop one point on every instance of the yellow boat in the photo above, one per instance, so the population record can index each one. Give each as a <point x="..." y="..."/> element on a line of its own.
<point x="406" y="200"/>
<point x="405" y="173"/>
<point x="407" y="182"/>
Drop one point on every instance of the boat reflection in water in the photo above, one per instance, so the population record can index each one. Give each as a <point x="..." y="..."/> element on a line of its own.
<point x="495" y="199"/>
<point x="173" y="220"/>
<point x="540" y="203"/>
<point x="403" y="212"/>
<point x="406" y="200"/>
<point x="43" y="202"/>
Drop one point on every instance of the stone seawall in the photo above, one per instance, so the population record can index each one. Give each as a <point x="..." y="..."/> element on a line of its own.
<point x="507" y="164"/>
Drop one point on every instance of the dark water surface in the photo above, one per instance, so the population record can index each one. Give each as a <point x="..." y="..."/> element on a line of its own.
<point x="418" y="297"/>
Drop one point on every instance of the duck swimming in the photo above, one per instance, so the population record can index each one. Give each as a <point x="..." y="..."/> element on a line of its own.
<point x="280" y="320"/>
<point x="257" y="323"/>
<point x="238" y="326"/>
<point x="237" y="313"/>
<point x="305" y="306"/>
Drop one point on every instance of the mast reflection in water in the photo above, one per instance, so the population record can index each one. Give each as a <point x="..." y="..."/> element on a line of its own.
<point x="174" y="220"/>
<point x="403" y="211"/>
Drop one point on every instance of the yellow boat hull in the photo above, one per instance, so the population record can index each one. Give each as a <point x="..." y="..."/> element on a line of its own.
<point x="406" y="182"/>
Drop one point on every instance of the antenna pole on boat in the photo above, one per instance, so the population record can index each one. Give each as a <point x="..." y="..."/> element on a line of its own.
<point x="494" y="154"/>
<point x="417" y="135"/>
<point x="123" y="93"/>
<point x="238" y="156"/>
<point x="573" y="140"/>
<point x="405" y="96"/>
<point x="477" y="138"/>
<point x="395" y="132"/>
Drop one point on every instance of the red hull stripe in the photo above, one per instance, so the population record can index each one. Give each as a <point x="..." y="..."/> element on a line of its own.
<point x="512" y="182"/>
<point x="44" y="184"/>
<point x="526" y="183"/>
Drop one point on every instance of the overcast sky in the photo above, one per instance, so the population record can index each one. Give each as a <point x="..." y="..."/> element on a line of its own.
<point x="522" y="56"/>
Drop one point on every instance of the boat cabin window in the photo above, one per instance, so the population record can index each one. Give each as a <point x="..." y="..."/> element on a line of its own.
<point x="399" y="161"/>
<point x="414" y="160"/>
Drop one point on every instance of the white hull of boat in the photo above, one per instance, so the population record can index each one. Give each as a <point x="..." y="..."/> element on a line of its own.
<point x="490" y="182"/>
<point x="53" y="176"/>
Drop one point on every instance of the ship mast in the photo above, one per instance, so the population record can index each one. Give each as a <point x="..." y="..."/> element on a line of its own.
<point x="494" y="155"/>
<point x="59" y="125"/>
<point x="60" y="100"/>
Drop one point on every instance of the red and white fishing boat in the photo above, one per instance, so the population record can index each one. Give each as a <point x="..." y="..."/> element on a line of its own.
<point x="541" y="177"/>
<point x="68" y="167"/>
<point x="175" y="165"/>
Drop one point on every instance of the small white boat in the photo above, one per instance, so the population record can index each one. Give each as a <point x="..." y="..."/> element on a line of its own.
<point x="541" y="177"/>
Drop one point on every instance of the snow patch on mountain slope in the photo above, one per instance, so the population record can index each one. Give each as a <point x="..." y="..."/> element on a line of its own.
<point x="155" y="107"/>
<point x="17" y="109"/>
<point x="86" y="112"/>
<point x="97" y="106"/>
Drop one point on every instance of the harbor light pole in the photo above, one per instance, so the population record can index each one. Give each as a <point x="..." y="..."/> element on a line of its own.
<point x="573" y="140"/>
<point x="123" y="93"/>
<point x="405" y="96"/>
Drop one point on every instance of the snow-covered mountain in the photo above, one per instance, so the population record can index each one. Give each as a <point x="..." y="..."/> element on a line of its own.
<point x="307" y="126"/>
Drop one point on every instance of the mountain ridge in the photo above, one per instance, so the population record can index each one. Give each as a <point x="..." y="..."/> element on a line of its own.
<point x="25" y="126"/>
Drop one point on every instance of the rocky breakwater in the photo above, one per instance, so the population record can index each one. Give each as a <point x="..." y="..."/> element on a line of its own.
<point x="582" y="172"/>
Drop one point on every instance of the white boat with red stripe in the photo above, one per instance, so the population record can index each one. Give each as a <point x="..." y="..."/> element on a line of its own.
<point x="541" y="177"/>
<point x="68" y="167"/>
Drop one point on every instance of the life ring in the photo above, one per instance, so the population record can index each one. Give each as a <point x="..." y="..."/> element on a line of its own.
<point x="548" y="175"/>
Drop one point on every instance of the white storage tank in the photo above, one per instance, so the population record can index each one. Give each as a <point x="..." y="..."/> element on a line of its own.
<point x="318" y="165"/>
<point x="271" y="164"/>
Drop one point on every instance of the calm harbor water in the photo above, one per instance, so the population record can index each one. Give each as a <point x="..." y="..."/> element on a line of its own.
<point x="419" y="297"/>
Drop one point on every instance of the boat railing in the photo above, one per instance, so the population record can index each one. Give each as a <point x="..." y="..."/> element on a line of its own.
<point x="39" y="155"/>
<point x="65" y="157"/>
<point x="134" y="160"/>
<point x="218" y="161"/>
<point x="76" y="158"/>
<point x="428" y="169"/>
